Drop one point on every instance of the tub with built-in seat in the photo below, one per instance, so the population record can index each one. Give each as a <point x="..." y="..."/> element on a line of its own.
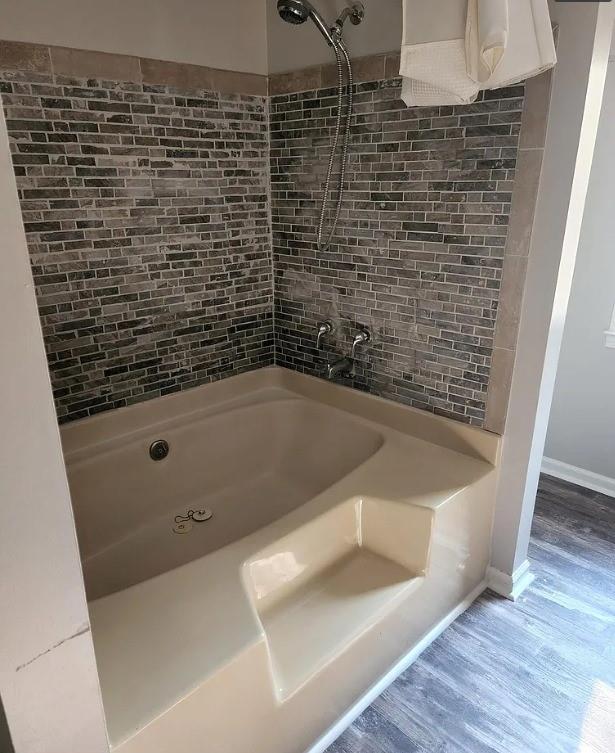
<point x="289" y="550"/>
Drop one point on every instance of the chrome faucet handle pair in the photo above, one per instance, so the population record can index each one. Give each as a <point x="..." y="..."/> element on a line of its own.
<point x="325" y="328"/>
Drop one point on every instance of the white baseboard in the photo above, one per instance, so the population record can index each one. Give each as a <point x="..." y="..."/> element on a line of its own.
<point x="588" y="479"/>
<point x="376" y="689"/>
<point x="510" y="586"/>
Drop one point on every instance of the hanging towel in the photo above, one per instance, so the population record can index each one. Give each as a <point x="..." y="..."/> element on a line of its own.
<point x="486" y="37"/>
<point x="451" y="49"/>
<point x="433" y="56"/>
<point x="530" y="49"/>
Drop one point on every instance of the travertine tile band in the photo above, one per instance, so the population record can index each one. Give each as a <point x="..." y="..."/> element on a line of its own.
<point x="85" y="63"/>
<point x="109" y="66"/>
<point x="525" y="193"/>
<point x="25" y="57"/>
<point x="369" y="68"/>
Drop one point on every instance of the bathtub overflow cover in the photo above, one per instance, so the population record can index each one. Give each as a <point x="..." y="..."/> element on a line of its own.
<point x="159" y="449"/>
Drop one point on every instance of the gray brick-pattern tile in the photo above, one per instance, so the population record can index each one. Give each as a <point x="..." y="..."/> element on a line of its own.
<point x="418" y="253"/>
<point x="147" y="217"/>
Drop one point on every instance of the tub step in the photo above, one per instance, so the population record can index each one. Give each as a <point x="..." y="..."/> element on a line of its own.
<point x="313" y="624"/>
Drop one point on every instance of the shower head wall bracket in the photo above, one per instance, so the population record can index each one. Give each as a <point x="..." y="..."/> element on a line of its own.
<point x="298" y="11"/>
<point x="355" y="13"/>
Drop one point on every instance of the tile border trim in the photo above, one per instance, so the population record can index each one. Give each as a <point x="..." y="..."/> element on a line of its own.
<point x="369" y="68"/>
<point x="68" y="61"/>
<point x="517" y="249"/>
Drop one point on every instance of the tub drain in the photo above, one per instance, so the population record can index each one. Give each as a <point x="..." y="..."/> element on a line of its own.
<point x="183" y="523"/>
<point x="159" y="449"/>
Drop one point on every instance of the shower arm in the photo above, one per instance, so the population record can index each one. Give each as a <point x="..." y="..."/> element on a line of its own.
<point x="355" y="12"/>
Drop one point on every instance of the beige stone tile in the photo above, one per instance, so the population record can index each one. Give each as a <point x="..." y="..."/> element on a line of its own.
<point x="329" y="75"/>
<point x="535" y="111"/>
<point x="181" y="75"/>
<point x="502" y="362"/>
<point x="527" y="177"/>
<point x="295" y="81"/>
<point x="90" y="64"/>
<point x="369" y="68"/>
<point x="509" y="305"/>
<point x="391" y="65"/>
<point x="19" y="56"/>
<point x="238" y="82"/>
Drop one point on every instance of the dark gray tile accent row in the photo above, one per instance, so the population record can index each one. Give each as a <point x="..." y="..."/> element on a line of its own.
<point x="147" y="217"/>
<point x="419" y="250"/>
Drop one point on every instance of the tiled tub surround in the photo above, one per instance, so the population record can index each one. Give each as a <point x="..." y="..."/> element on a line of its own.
<point x="293" y="607"/>
<point x="150" y="237"/>
<point x="147" y="217"/>
<point x="420" y="245"/>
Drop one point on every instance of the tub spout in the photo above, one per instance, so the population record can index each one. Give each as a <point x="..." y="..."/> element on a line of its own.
<point x="342" y="368"/>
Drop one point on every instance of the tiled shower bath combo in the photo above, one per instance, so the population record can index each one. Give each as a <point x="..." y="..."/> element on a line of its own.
<point x="147" y="210"/>
<point x="269" y="516"/>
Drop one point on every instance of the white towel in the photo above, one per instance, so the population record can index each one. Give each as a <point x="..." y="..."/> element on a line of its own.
<point x="486" y="37"/>
<point x="438" y="74"/>
<point x="433" y="58"/>
<point x="451" y="49"/>
<point x="530" y="49"/>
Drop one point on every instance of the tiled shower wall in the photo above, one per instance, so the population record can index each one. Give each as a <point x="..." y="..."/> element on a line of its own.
<point x="147" y="218"/>
<point x="419" y="250"/>
<point x="147" y="213"/>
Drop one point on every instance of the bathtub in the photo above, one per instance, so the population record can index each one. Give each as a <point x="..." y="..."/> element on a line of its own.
<point x="334" y="535"/>
<point x="249" y="465"/>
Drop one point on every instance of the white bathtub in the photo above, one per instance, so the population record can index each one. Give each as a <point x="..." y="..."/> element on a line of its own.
<point x="248" y="465"/>
<point x="346" y="531"/>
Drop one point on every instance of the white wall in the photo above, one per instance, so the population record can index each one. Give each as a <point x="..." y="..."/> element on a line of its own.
<point x="295" y="47"/>
<point x="228" y="34"/>
<point x="585" y="31"/>
<point x="48" y="680"/>
<point x="582" y="422"/>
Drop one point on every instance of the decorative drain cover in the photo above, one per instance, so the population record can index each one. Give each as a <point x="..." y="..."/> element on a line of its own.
<point x="183" y="523"/>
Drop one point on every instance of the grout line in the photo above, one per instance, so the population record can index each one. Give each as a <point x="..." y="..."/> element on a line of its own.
<point x="270" y="214"/>
<point x="51" y="66"/>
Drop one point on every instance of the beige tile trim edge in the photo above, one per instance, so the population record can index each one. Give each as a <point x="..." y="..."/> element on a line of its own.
<point x="88" y="63"/>
<point x="369" y="68"/>
<point x="525" y="194"/>
<point x="23" y="56"/>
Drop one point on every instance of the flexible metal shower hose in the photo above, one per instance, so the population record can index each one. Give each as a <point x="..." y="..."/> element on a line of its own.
<point x="341" y="56"/>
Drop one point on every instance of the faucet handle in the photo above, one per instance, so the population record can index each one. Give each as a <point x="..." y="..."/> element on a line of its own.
<point x="324" y="329"/>
<point x="362" y="336"/>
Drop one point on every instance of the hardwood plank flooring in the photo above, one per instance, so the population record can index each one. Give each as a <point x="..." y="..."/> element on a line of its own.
<point x="537" y="676"/>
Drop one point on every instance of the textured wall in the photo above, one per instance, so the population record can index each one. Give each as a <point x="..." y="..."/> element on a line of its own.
<point x="146" y="214"/>
<point x="419" y="250"/>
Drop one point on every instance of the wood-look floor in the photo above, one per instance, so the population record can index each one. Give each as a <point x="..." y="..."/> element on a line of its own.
<point x="537" y="676"/>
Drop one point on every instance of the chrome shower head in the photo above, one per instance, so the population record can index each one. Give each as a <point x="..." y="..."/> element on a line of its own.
<point x="298" y="11"/>
<point x="293" y="11"/>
